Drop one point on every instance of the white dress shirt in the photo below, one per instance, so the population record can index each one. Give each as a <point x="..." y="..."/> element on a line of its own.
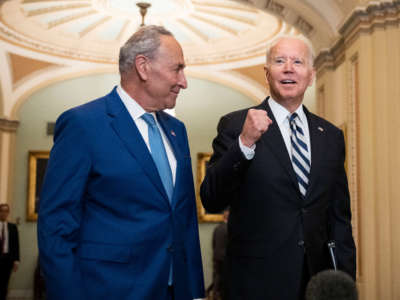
<point x="282" y="115"/>
<point x="136" y="112"/>
<point x="5" y="237"/>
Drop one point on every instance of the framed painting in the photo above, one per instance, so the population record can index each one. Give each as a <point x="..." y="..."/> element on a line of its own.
<point x="37" y="163"/>
<point x="203" y="215"/>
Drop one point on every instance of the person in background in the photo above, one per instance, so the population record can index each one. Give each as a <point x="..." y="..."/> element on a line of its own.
<point x="219" y="242"/>
<point x="331" y="285"/>
<point x="280" y="169"/>
<point x="117" y="216"/>
<point x="9" y="249"/>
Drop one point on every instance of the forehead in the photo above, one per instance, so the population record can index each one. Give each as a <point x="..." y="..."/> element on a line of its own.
<point x="4" y="208"/>
<point x="290" y="48"/>
<point x="169" y="51"/>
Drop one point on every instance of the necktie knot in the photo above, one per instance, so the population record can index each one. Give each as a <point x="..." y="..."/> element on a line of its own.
<point x="292" y="118"/>
<point x="149" y="119"/>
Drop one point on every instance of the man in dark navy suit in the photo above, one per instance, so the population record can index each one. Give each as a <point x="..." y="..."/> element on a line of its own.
<point x="281" y="170"/>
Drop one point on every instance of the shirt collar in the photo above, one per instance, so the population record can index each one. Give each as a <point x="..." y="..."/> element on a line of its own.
<point x="281" y="114"/>
<point x="134" y="108"/>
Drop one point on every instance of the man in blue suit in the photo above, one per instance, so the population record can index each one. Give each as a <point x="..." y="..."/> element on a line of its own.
<point x="117" y="217"/>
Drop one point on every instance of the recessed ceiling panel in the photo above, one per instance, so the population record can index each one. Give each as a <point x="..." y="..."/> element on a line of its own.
<point x="210" y="31"/>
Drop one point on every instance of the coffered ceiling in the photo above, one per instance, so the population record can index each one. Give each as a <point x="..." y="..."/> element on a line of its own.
<point x="210" y="31"/>
<point x="44" y="41"/>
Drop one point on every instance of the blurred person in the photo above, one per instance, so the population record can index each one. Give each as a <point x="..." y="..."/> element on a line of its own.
<point x="331" y="285"/>
<point x="219" y="242"/>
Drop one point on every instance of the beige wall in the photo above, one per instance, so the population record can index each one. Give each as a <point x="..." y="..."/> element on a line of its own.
<point x="359" y="84"/>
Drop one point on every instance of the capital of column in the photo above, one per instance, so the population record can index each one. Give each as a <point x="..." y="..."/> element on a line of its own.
<point x="8" y="125"/>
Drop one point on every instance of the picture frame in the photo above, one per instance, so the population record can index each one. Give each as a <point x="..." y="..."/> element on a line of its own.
<point x="204" y="216"/>
<point x="37" y="163"/>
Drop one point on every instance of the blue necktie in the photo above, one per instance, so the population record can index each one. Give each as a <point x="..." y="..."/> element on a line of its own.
<point x="159" y="154"/>
<point x="300" y="155"/>
<point x="161" y="160"/>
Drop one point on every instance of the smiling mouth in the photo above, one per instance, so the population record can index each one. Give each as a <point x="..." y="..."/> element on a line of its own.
<point x="288" y="81"/>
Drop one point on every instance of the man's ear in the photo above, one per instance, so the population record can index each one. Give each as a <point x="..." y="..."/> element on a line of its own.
<point x="142" y="67"/>
<point x="266" y="74"/>
<point x="312" y="78"/>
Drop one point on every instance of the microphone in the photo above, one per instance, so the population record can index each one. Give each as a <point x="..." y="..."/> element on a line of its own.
<point x="331" y="247"/>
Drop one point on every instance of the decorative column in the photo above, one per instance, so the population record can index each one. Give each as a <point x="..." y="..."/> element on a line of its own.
<point x="7" y="143"/>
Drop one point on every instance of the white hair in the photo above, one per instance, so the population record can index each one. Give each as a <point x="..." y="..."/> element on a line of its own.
<point x="277" y="39"/>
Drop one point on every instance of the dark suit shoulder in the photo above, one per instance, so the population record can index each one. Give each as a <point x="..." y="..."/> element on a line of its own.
<point x="319" y="121"/>
<point x="93" y="106"/>
<point x="12" y="224"/>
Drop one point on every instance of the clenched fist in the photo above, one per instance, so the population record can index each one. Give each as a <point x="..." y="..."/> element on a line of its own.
<point x="256" y="123"/>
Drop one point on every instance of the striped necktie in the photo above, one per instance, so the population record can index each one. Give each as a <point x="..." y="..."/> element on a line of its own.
<point x="300" y="154"/>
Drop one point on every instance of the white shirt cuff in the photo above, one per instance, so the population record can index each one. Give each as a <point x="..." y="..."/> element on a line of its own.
<point x="248" y="152"/>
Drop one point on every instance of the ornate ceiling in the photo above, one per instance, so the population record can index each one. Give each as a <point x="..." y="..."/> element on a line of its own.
<point x="44" y="41"/>
<point x="210" y="31"/>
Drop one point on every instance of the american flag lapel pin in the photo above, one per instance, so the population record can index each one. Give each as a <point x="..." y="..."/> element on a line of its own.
<point x="173" y="133"/>
<point x="320" y="129"/>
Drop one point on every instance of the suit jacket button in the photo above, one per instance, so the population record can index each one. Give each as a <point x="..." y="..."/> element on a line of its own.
<point x="304" y="211"/>
<point x="170" y="248"/>
<point x="300" y="243"/>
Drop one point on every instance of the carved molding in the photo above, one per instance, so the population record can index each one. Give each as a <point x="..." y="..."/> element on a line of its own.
<point x="362" y="20"/>
<point x="376" y="14"/>
<point x="304" y="26"/>
<point x="8" y="125"/>
<point x="329" y="59"/>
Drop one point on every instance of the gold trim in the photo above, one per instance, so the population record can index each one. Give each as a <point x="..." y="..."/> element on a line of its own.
<point x="202" y="214"/>
<point x="32" y="193"/>
<point x="354" y="172"/>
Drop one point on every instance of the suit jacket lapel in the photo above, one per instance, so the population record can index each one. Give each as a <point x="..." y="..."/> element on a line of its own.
<point x="127" y="131"/>
<point x="317" y="135"/>
<point x="273" y="138"/>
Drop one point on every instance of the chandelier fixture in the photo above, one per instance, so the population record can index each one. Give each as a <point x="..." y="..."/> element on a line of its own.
<point x="143" y="10"/>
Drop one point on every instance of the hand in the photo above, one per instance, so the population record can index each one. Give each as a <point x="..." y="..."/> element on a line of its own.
<point x="256" y="123"/>
<point x="15" y="267"/>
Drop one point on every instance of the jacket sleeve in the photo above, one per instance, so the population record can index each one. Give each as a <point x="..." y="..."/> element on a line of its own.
<point x="60" y="208"/>
<point x="340" y="219"/>
<point x="192" y="240"/>
<point x="226" y="167"/>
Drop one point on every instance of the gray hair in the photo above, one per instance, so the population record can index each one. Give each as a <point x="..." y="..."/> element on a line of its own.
<point x="145" y="41"/>
<point x="306" y="41"/>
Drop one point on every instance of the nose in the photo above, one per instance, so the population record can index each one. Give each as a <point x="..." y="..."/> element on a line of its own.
<point x="288" y="66"/>
<point x="182" y="80"/>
